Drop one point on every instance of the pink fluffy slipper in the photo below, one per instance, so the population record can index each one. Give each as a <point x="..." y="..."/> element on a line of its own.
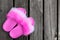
<point x="18" y="23"/>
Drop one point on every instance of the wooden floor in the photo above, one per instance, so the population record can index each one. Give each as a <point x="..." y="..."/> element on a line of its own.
<point x="46" y="21"/>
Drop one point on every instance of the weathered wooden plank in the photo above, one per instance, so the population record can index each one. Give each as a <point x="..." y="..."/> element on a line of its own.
<point x="36" y="11"/>
<point x="59" y="20"/>
<point x="23" y="4"/>
<point x="50" y="19"/>
<point x="5" y="5"/>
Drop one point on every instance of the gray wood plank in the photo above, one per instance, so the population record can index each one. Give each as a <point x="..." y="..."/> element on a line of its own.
<point x="23" y="4"/>
<point x="5" y="5"/>
<point x="59" y="20"/>
<point x="50" y="19"/>
<point x="36" y="11"/>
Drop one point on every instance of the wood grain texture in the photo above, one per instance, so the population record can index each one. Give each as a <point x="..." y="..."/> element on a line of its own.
<point x="59" y="20"/>
<point x="23" y="4"/>
<point x="50" y="19"/>
<point x="36" y="11"/>
<point x="5" y="5"/>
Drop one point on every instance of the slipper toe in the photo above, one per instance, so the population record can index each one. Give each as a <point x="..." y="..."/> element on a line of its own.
<point x="16" y="32"/>
<point x="8" y="25"/>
